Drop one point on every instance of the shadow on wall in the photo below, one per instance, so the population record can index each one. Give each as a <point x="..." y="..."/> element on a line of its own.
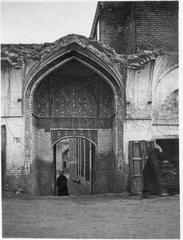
<point x="42" y="177"/>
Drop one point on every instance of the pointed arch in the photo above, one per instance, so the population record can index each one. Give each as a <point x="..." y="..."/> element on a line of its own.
<point x="92" y="55"/>
<point x="40" y="70"/>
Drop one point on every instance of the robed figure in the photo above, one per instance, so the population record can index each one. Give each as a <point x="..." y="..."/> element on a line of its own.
<point x="151" y="176"/>
<point x="62" y="184"/>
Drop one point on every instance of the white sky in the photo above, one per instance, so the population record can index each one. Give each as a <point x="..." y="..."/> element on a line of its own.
<point x="38" y="22"/>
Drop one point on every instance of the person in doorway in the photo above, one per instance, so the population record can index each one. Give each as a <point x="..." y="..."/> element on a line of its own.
<point x="62" y="184"/>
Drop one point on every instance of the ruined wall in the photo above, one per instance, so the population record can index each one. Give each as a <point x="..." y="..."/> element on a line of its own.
<point x="137" y="125"/>
<point x="128" y="28"/>
<point x="152" y="102"/>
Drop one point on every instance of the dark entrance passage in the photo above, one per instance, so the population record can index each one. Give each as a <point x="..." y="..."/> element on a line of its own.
<point x="168" y="165"/>
<point x="76" y="156"/>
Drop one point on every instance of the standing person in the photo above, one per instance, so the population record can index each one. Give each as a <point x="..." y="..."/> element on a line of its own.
<point x="62" y="184"/>
<point x="151" y="184"/>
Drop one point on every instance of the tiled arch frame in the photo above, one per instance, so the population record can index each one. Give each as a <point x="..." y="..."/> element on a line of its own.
<point x="112" y="72"/>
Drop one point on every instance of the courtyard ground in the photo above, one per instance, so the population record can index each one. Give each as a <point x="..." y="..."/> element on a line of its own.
<point x="97" y="216"/>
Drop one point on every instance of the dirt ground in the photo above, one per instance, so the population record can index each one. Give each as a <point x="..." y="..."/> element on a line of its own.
<point x="97" y="216"/>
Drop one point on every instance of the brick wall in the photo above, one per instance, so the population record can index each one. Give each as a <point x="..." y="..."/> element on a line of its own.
<point x="44" y="147"/>
<point x="157" y="25"/>
<point x="43" y="167"/>
<point x="127" y="27"/>
<point x="113" y="29"/>
<point x="108" y="178"/>
<point x="103" y="162"/>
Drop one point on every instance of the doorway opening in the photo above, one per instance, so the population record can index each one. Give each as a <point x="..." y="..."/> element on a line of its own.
<point x="76" y="156"/>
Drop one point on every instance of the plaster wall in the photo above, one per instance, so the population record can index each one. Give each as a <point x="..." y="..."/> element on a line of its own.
<point x="11" y="92"/>
<point x="135" y="130"/>
<point x="138" y="93"/>
<point x="165" y="99"/>
<point x="165" y="131"/>
<point x="11" y="117"/>
<point x="15" y="141"/>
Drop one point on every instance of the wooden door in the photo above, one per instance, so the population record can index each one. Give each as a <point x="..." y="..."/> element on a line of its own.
<point x="138" y="154"/>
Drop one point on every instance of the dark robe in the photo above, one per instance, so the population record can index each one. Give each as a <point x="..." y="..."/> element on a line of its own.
<point x="62" y="186"/>
<point x="151" y="179"/>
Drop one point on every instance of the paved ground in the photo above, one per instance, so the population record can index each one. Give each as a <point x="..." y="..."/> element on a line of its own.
<point x="99" y="216"/>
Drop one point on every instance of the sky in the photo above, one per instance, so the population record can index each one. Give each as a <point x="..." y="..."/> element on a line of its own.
<point x="39" y="22"/>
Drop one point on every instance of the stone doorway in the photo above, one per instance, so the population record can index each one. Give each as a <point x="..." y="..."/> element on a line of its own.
<point x="76" y="156"/>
